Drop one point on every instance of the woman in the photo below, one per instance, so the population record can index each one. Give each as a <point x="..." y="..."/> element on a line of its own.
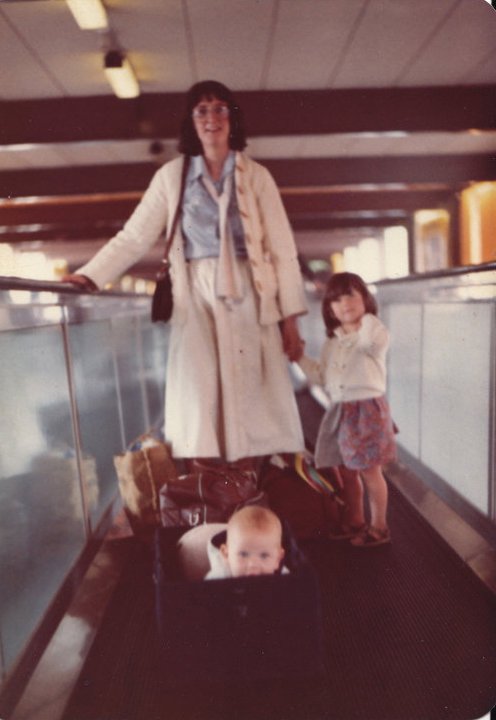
<point x="236" y="284"/>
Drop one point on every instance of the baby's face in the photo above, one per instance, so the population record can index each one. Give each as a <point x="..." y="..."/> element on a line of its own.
<point x="253" y="552"/>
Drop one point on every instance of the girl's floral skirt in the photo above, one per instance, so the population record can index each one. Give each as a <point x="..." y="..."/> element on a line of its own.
<point x="358" y="435"/>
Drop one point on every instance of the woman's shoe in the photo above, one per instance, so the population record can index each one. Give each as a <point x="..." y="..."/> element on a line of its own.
<point x="371" y="536"/>
<point x="346" y="532"/>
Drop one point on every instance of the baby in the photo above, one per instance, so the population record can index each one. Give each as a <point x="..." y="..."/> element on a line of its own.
<point x="253" y="545"/>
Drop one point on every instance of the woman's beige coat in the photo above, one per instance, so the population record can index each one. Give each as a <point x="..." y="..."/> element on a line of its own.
<point x="269" y="240"/>
<point x="228" y="389"/>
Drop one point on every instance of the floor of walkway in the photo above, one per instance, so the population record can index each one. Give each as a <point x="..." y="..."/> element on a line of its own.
<point x="410" y="634"/>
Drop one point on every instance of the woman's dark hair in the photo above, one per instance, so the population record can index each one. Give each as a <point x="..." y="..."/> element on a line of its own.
<point x="189" y="142"/>
<point x="343" y="284"/>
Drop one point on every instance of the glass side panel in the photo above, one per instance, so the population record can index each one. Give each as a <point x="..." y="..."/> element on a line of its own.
<point x="127" y="342"/>
<point x="41" y="515"/>
<point x="155" y="344"/>
<point x="456" y="396"/>
<point x="404" y="361"/>
<point x="95" y="384"/>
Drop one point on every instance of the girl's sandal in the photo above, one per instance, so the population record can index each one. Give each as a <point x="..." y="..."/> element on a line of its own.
<point x="371" y="536"/>
<point x="346" y="532"/>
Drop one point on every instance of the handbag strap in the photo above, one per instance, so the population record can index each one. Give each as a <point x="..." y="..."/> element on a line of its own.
<point x="170" y="239"/>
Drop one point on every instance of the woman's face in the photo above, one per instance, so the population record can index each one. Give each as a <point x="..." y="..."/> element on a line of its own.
<point x="211" y="121"/>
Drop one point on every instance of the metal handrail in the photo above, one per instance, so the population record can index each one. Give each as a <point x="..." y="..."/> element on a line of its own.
<point x="16" y="283"/>
<point x="433" y="274"/>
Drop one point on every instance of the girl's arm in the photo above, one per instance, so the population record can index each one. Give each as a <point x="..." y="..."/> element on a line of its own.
<point x="315" y="369"/>
<point x="373" y="336"/>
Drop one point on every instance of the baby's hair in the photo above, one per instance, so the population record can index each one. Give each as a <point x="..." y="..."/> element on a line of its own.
<point x="342" y="284"/>
<point x="255" y="516"/>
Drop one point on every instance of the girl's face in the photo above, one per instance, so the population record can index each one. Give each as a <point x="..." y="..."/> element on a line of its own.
<point x="211" y="121"/>
<point x="349" y="309"/>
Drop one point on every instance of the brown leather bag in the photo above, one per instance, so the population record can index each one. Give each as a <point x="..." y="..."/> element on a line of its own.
<point x="209" y="496"/>
<point x="308" y="513"/>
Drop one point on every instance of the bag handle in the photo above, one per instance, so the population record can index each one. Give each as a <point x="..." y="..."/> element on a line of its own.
<point x="148" y="433"/>
<point x="168" y="244"/>
<point x="153" y="488"/>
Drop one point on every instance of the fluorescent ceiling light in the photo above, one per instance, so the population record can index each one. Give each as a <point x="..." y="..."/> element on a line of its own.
<point x="89" y="14"/>
<point x="120" y="75"/>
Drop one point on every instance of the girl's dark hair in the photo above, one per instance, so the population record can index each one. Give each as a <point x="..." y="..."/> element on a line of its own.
<point x="342" y="284"/>
<point x="189" y="143"/>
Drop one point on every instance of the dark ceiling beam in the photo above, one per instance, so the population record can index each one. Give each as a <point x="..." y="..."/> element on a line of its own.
<point x="61" y="232"/>
<point x="82" y="180"/>
<point x="356" y="222"/>
<point x="68" y="211"/>
<point x="345" y="217"/>
<point x="450" y="169"/>
<point x="114" y="211"/>
<point x="318" y="203"/>
<point x="266" y="113"/>
<point x="68" y="233"/>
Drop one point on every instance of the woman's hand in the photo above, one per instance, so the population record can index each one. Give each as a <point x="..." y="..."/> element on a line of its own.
<point x="291" y="341"/>
<point x="81" y="281"/>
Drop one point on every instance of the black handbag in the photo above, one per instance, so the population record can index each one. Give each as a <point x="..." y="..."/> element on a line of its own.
<point x="162" y="302"/>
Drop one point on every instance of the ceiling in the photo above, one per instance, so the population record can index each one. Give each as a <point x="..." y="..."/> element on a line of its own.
<point x="363" y="110"/>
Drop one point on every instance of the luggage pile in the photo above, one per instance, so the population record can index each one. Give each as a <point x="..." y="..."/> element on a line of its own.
<point x="155" y="493"/>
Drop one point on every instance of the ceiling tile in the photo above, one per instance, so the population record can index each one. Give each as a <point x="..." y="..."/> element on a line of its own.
<point x="61" y="56"/>
<point x="390" y="33"/>
<point x="308" y="40"/>
<point x="157" y="40"/>
<point x="463" y="42"/>
<point x="484" y="71"/>
<point x="21" y="72"/>
<point x="231" y="41"/>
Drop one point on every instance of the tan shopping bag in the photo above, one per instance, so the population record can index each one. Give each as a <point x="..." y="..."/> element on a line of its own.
<point x="142" y="470"/>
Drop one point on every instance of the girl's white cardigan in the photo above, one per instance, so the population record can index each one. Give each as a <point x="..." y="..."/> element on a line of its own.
<point x="353" y="366"/>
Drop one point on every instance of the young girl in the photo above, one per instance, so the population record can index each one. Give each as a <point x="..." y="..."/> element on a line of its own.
<point x="356" y="431"/>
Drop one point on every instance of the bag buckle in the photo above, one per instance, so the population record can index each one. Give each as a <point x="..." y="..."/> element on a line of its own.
<point x="194" y="518"/>
<point x="164" y="270"/>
